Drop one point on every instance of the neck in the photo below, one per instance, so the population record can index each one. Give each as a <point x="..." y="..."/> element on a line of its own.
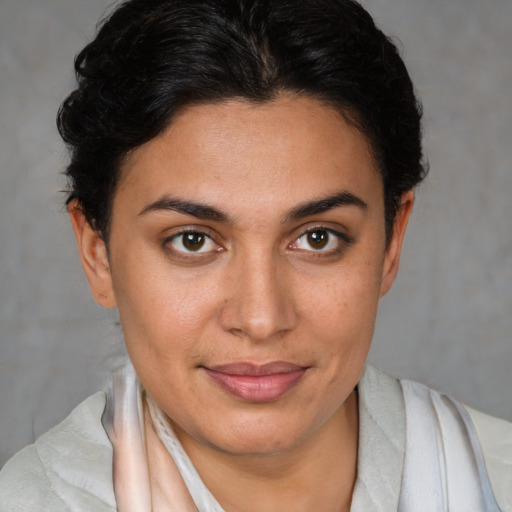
<point x="318" y="474"/>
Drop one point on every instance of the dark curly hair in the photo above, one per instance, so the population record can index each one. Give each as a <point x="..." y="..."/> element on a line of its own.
<point x="152" y="58"/>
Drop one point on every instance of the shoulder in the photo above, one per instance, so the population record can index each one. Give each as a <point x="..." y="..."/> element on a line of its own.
<point x="495" y="436"/>
<point x="384" y="398"/>
<point x="68" y="468"/>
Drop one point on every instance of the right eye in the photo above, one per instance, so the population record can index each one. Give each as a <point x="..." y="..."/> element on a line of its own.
<point x="192" y="242"/>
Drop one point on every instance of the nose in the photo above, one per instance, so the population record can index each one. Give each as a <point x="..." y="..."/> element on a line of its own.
<point x="259" y="304"/>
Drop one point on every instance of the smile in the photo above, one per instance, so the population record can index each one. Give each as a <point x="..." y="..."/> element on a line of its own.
<point x="257" y="383"/>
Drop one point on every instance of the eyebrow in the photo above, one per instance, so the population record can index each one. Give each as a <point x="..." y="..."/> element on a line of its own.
<point x="199" y="210"/>
<point x="325" y="204"/>
<point x="207" y="212"/>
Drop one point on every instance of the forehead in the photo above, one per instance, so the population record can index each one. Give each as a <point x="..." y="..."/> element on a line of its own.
<point x="262" y="155"/>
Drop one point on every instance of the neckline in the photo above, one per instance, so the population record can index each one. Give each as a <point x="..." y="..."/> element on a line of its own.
<point x="381" y="446"/>
<point x="381" y="443"/>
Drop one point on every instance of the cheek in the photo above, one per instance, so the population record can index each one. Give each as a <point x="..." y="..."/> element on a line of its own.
<point x="342" y="317"/>
<point x="346" y="302"/>
<point x="160" y="308"/>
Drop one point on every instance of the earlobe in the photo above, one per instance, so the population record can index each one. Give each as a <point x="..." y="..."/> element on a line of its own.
<point x="93" y="255"/>
<point x="394" y="249"/>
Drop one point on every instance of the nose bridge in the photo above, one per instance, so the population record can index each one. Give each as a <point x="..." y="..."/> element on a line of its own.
<point x="259" y="304"/>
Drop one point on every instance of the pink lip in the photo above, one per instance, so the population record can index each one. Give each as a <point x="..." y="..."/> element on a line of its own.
<point x="257" y="383"/>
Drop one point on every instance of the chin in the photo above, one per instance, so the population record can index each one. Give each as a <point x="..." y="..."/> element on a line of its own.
<point x="256" y="446"/>
<point x="264" y="436"/>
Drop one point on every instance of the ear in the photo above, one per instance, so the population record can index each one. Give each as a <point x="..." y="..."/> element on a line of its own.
<point x="94" y="257"/>
<point x="394" y="248"/>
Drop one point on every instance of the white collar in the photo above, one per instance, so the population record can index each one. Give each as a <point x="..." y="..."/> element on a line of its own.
<point x="380" y="456"/>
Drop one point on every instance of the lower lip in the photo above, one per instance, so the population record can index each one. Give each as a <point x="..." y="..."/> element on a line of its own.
<point x="257" y="388"/>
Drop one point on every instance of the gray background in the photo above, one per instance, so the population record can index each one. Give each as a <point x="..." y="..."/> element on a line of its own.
<point x="448" y="320"/>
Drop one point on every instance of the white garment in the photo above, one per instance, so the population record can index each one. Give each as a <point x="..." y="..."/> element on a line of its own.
<point x="70" y="467"/>
<point x="444" y="468"/>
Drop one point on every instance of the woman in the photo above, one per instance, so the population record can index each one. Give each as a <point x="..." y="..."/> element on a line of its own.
<point x="242" y="175"/>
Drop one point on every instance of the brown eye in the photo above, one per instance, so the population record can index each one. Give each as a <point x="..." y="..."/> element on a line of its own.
<point x="193" y="241"/>
<point x="321" y="240"/>
<point x="318" y="239"/>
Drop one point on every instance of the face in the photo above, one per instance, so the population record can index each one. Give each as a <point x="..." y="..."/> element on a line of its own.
<point x="247" y="258"/>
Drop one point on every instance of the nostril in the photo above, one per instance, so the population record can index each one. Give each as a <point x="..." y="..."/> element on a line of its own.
<point x="239" y="333"/>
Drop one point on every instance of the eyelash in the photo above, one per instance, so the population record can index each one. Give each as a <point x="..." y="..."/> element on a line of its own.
<point x="342" y="241"/>
<point x="188" y="254"/>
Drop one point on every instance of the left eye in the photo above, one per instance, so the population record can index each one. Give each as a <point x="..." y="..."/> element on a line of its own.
<point x="192" y="242"/>
<point x="319" y="240"/>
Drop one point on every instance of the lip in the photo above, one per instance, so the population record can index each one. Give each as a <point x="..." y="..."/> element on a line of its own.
<point x="257" y="383"/>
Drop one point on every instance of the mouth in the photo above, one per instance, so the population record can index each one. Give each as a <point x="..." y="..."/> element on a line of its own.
<point x="257" y="383"/>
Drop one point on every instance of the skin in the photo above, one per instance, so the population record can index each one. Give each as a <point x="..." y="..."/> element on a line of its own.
<point x="257" y="291"/>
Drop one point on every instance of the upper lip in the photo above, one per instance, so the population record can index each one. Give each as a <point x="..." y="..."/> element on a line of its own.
<point x="246" y="368"/>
